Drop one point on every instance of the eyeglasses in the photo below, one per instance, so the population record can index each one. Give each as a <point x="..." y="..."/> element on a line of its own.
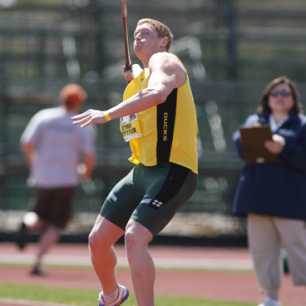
<point x="282" y="93"/>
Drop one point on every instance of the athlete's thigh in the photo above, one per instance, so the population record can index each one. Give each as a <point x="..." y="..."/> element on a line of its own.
<point x="164" y="196"/>
<point x="121" y="201"/>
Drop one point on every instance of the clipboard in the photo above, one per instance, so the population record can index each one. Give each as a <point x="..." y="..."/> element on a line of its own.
<point x="252" y="142"/>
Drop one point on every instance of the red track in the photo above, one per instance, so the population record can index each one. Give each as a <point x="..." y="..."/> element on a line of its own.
<point x="216" y="285"/>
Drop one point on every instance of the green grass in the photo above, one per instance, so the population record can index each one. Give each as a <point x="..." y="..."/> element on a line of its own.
<point x="88" y="297"/>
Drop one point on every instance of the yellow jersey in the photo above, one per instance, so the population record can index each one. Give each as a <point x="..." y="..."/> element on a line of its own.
<point x="164" y="133"/>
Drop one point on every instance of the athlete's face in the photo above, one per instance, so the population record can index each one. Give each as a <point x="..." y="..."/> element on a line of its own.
<point x="146" y="41"/>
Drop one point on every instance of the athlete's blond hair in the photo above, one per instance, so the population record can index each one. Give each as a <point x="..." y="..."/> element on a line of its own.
<point x="161" y="29"/>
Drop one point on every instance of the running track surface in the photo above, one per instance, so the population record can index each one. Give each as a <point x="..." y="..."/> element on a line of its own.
<point x="209" y="273"/>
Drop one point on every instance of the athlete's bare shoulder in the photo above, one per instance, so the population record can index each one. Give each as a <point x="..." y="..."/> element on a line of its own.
<point x="169" y="64"/>
<point x="165" y="58"/>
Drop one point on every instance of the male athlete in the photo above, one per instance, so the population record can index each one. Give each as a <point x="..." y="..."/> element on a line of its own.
<point x="158" y="119"/>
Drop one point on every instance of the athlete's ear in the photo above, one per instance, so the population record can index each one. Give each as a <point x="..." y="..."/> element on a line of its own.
<point x="164" y="42"/>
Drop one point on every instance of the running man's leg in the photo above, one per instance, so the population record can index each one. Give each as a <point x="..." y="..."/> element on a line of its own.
<point x="137" y="238"/>
<point x="32" y="221"/>
<point x="54" y="211"/>
<point x="48" y="238"/>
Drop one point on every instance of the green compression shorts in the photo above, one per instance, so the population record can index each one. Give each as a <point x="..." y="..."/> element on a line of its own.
<point x="149" y="195"/>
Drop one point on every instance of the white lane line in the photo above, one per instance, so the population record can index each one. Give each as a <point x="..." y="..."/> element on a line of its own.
<point x="169" y="263"/>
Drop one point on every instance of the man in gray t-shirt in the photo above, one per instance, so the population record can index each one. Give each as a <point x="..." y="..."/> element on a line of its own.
<point x="58" y="154"/>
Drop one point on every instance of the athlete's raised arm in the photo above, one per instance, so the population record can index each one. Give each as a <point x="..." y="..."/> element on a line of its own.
<point x="166" y="74"/>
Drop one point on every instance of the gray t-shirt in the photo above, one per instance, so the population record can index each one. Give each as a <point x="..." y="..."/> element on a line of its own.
<point x="58" y="145"/>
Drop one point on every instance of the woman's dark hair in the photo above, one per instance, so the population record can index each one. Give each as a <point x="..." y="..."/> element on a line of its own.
<point x="263" y="106"/>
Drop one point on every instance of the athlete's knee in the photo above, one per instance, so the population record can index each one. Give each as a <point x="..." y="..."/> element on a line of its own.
<point x="132" y="242"/>
<point x="97" y="241"/>
<point x="136" y="236"/>
<point x="92" y="239"/>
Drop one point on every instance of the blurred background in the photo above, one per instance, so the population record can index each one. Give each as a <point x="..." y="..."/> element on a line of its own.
<point x="232" y="48"/>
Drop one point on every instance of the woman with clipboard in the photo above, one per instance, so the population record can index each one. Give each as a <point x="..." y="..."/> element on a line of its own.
<point x="272" y="193"/>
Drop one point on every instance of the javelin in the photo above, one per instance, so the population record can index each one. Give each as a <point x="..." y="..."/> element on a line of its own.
<point x="124" y="16"/>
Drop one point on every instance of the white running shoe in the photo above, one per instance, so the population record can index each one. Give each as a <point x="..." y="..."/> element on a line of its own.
<point x="122" y="297"/>
<point x="270" y="302"/>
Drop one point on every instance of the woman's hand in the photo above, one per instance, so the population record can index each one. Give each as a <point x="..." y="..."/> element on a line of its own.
<point x="276" y="145"/>
<point x="91" y="116"/>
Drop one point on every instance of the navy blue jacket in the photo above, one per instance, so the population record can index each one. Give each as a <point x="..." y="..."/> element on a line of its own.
<point x="277" y="188"/>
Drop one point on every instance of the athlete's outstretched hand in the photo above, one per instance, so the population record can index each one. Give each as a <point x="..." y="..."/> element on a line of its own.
<point x="91" y="116"/>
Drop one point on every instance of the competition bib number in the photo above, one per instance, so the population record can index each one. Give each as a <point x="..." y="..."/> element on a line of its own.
<point x="130" y="128"/>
